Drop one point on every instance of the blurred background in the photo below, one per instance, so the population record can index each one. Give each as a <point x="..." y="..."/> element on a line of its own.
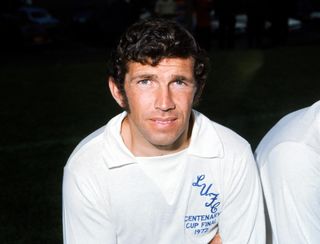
<point x="264" y="64"/>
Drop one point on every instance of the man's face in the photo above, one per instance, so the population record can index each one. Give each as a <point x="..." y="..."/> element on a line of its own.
<point x="160" y="102"/>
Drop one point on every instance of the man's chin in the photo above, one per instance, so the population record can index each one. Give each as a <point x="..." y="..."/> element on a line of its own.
<point x="167" y="145"/>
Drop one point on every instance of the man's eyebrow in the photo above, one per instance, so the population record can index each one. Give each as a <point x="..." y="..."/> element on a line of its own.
<point x="143" y="76"/>
<point x="179" y="77"/>
<point x="153" y="76"/>
<point x="182" y="77"/>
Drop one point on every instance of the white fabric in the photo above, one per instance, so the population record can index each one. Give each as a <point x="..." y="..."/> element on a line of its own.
<point x="109" y="196"/>
<point x="288" y="158"/>
<point x="169" y="167"/>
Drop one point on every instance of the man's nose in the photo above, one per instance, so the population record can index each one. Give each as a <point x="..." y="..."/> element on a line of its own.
<point x="164" y="99"/>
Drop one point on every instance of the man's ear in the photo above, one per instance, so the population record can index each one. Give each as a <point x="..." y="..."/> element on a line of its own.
<point x="115" y="91"/>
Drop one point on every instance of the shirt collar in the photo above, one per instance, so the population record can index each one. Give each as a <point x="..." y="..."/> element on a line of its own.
<point x="204" y="142"/>
<point x="116" y="154"/>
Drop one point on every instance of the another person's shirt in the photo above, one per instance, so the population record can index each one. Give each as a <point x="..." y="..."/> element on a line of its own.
<point x="288" y="158"/>
<point x="111" y="196"/>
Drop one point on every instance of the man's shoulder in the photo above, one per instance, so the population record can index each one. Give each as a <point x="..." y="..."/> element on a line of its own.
<point x="230" y="140"/>
<point x="89" y="152"/>
<point x="298" y="127"/>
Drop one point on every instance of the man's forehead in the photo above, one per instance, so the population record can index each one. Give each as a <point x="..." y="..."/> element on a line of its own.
<point x="162" y="62"/>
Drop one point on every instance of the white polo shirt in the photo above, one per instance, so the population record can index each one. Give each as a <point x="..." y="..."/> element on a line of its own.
<point x="288" y="158"/>
<point x="111" y="196"/>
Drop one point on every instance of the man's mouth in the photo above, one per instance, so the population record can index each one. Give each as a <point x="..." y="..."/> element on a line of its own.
<point x="164" y="121"/>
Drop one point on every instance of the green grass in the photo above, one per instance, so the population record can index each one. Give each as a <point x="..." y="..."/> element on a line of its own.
<point x="50" y="100"/>
<point x="251" y="89"/>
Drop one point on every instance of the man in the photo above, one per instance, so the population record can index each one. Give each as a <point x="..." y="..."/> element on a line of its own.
<point x="161" y="172"/>
<point x="289" y="161"/>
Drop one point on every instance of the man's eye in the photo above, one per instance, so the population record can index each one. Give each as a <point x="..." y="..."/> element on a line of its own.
<point x="180" y="82"/>
<point x="144" y="82"/>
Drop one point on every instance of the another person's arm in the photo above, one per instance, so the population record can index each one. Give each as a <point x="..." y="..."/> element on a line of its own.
<point x="216" y="239"/>
<point x="291" y="181"/>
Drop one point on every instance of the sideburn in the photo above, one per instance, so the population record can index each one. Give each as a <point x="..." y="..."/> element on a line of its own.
<point x="125" y="99"/>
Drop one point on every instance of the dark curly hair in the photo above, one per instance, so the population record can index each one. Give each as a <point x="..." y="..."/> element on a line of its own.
<point x="149" y="41"/>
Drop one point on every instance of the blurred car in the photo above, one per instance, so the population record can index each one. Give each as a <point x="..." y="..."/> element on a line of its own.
<point x="101" y="25"/>
<point x="240" y="23"/>
<point x="16" y="32"/>
<point x="37" y="15"/>
<point x="294" y="24"/>
<point x="242" y="19"/>
<point x="28" y="26"/>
